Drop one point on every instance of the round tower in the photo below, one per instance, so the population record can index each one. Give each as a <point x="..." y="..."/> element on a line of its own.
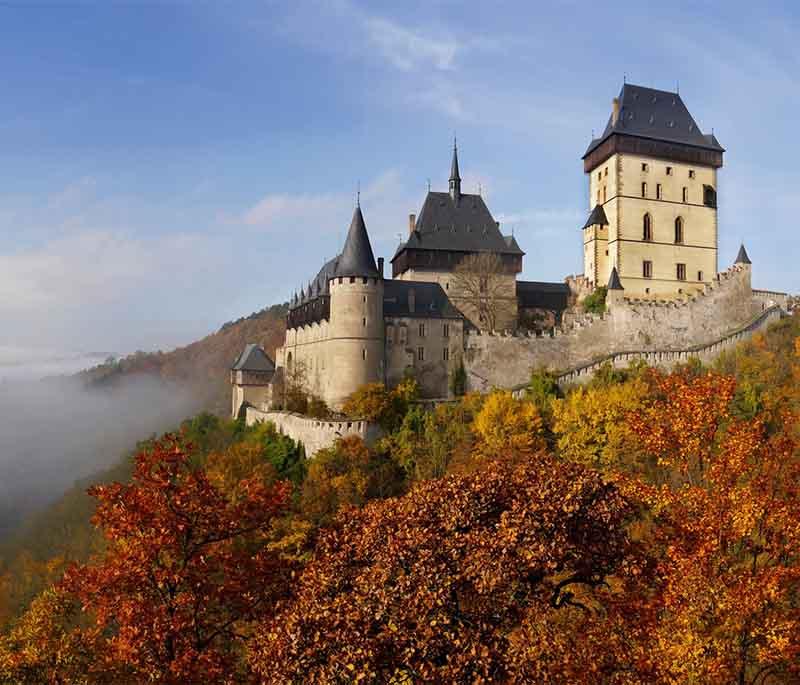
<point x="356" y="317"/>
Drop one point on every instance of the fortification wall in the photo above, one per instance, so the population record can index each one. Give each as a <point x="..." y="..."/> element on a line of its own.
<point x="315" y="434"/>
<point x="631" y="324"/>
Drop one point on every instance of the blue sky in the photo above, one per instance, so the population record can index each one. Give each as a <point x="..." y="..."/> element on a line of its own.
<point x="165" y="167"/>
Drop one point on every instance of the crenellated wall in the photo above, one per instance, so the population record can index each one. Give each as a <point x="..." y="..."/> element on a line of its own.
<point x="315" y="434"/>
<point x="630" y="324"/>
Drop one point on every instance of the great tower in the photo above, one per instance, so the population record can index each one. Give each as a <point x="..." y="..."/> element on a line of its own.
<point x="652" y="197"/>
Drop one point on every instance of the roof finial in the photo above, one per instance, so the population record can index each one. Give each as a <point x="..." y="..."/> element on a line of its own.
<point x="429" y="185"/>
<point x="480" y="189"/>
<point x="624" y="77"/>
<point x="358" y="193"/>
<point x="677" y="87"/>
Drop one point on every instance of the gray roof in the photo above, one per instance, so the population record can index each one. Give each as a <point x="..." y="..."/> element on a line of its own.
<point x="357" y="258"/>
<point x="430" y="300"/>
<point x="613" y="280"/>
<point x="463" y="226"/>
<point x="597" y="216"/>
<point x="253" y="358"/>
<point x="540" y="295"/>
<point x="655" y="114"/>
<point x="742" y="257"/>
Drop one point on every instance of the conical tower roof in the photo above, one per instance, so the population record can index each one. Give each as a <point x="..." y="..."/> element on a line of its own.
<point x="357" y="258"/>
<point x="742" y="257"/>
<point x="454" y="175"/>
<point x="613" y="280"/>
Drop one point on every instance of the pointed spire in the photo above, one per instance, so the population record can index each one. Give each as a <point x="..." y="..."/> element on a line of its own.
<point x="357" y="258"/>
<point x="613" y="281"/>
<point x="742" y="257"/>
<point x="455" y="177"/>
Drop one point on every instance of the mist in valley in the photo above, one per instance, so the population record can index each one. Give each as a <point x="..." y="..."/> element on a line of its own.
<point x="55" y="431"/>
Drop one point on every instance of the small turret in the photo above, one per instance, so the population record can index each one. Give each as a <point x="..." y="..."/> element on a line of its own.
<point x="742" y="257"/>
<point x="455" y="177"/>
<point x="614" y="291"/>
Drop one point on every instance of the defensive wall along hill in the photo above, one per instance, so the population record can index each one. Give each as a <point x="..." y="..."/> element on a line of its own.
<point x="725" y="312"/>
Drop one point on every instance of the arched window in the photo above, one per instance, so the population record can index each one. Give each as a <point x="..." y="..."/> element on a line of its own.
<point x="678" y="231"/>
<point x="647" y="228"/>
<point x="289" y="361"/>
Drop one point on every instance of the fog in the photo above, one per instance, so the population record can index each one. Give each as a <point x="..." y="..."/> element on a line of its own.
<point x="54" y="432"/>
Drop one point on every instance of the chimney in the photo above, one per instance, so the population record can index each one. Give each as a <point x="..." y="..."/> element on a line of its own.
<point x="412" y="300"/>
<point x="614" y="111"/>
<point x="380" y="266"/>
<point x="412" y="223"/>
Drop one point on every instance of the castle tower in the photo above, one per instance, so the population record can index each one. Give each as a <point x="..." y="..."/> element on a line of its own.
<point x="652" y="196"/>
<point x="356" y="317"/>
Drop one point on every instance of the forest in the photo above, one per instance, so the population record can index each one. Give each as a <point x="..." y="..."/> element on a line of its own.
<point x="644" y="528"/>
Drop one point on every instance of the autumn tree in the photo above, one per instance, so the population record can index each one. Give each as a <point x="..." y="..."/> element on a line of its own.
<point x="185" y="569"/>
<point x="506" y="425"/>
<point x="725" y="535"/>
<point x="431" y="587"/>
<point x="480" y="287"/>
<point x="379" y="404"/>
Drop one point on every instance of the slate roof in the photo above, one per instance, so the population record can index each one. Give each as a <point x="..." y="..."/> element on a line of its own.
<point x="463" y="226"/>
<point x="742" y="257"/>
<point x="253" y="358"/>
<point x="430" y="300"/>
<point x="655" y="114"/>
<point x="613" y="280"/>
<point x="597" y="216"/>
<point x="539" y="295"/>
<point x="357" y="258"/>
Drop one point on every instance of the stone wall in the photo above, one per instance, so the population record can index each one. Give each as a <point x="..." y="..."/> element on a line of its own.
<point x="315" y="434"/>
<point x="631" y="324"/>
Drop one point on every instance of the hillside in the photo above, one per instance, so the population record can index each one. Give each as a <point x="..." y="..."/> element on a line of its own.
<point x="201" y="366"/>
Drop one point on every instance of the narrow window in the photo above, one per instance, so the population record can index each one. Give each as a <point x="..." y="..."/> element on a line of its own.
<point x="598" y="196"/>
<point x="604" y="193"/>
<point x="422" y="330"/>
<point x="644" y="166"/>
<point x="352" y="279"/>
<point x="605" y="173"/>
<point x="364" y="322"/>
<point x="647" y="269"/>
<point x="599" y="175"/>
<point x="691" y="173"/>
<point x="699" y="275"/>
<point x="678" y="231"/>
<point x="421" y="354"/>
<point x="658" y="191"/>
<point x="445" y="354"/>
<point x="685" y="194"/>
<point x="446" y="330"/>
<point x="644" y="190"/>
<point x="364" y="353"/>
<point x="669" y="171"/>
<point x="681" y="271"/>
<point x="647" y="228"/>
<point x="364" y="298"/>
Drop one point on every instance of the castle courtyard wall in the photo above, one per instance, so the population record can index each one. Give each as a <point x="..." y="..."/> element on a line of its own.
<point x="315" y="434"/>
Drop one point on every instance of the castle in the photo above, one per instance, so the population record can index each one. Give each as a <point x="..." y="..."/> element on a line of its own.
<point x="454" y="300"/>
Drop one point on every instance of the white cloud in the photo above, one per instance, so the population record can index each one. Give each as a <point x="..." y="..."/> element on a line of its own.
<point x="406" y="49"/>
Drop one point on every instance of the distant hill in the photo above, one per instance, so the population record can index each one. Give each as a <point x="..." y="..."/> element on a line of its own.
<point x="201" y="366"/>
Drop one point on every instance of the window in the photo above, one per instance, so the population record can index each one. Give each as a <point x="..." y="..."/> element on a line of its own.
<point x="644" y="166"/>
<point x="678" y="231"/>
<point x="445" y="354"/>
<point x="421" y="354"/>
<point x="364" y="280"/>
<point x="691" y="173"/>
<point x="709" y="196"/>
<point x="598" y="196"/>
<point x="644" y="190"/>
<point x="446" y="330"/>
<point x="364" y="298"/>
<point x="422" y="330"/>
<point x="364" y="353"/>
<point x="389" y="335"/>
<point x="681" y="271"/>
<point x="604" y="193"/>
<point x="699" y="275"/>
<point x="599" y="175"/>
<point x="658" y="191"/>
<point x="647" y="269"/>
<point x="364" y="322"/>
<point x="605" y="172"/>
<point x="352" y="279"/>
<point x="647" y="228"/>
<point x="669" y="171"/>
<point x="685" y="194"/>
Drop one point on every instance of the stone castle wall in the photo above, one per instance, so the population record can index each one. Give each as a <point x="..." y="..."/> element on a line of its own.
<point x="315" y="434"/>
<point x="631" y="324"/>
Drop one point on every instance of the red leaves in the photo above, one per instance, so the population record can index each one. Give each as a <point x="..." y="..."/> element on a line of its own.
<point x="185" y="568"/>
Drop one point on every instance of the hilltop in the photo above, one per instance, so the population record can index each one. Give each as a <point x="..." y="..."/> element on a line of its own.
<point x="202" y="365"/>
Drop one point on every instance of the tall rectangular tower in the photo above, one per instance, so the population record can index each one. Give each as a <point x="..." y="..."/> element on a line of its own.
<point x="652" y="197"/>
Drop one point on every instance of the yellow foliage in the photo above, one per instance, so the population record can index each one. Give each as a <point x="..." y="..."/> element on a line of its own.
<point x="505" y="424"/>
<point x="591" y="424"/>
